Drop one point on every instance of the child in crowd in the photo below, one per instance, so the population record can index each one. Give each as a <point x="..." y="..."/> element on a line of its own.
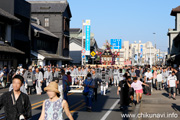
<point x="137" y="86"/>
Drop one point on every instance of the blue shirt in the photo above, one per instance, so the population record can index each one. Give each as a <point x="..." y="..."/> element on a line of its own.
<point x="91" y="83"/>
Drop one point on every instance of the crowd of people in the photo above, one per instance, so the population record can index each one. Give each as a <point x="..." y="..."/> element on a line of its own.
<point x="58" y="81"/>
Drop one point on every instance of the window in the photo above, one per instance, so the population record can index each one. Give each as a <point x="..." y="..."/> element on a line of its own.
<point x="46" y="22"/>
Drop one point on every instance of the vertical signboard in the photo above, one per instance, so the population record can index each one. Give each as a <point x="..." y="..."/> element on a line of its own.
<point x="88" y="37"/>
<point x="141" y="51"/>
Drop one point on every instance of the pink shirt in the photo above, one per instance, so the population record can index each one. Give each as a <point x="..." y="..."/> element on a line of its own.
<point x="155" y="74"/>
<point x="137" y="85"/>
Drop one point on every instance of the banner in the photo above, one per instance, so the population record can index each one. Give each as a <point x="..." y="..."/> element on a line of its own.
<point x="88" y="37"/>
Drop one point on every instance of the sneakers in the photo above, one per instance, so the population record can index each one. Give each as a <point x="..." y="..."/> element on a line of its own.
<point x="174" y="98"/>
<point x="89" y="109"/>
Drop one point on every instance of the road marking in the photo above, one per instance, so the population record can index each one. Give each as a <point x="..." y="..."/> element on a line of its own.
<point x="43" y="101"/>
<point x="110" y="110"/>
<point x="76" y="104"/>
<point x="37" y="103"/>
<point x="78" y="108"/>
<point x="36" y="106"/>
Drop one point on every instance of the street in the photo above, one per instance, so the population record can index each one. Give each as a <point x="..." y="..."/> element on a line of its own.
<point x="106" y="107"/>
<point x="89" y="60"/>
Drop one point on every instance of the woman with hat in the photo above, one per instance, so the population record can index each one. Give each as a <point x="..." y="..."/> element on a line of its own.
<point x="53" y="107"/>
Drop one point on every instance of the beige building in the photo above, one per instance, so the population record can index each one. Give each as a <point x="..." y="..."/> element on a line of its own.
<point x="124" y="53"/>
<point x="132" y="52"/>
<point x="149" y="53"/>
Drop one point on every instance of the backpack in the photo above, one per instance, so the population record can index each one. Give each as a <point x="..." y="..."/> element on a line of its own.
<point x="29" y="79"/>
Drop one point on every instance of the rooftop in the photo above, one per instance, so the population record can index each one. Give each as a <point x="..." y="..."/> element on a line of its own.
<point x="48" y="6"/>
<point x="175" y="11"/>
<point x="75" y="30"/>
<point x="8" y="15"/>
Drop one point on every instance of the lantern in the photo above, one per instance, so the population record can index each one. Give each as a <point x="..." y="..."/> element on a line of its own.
<point x="115" y="52"/>
<point x="97" y="52"/>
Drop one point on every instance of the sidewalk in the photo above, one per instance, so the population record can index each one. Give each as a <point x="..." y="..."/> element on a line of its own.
<point x="159" y="106"/>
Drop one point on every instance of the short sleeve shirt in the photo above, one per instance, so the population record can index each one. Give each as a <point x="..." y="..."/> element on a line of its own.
<point x="137" y="85"/>
<point x="172" y="80"/>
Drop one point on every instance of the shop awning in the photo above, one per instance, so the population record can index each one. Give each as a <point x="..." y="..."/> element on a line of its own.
<point x="9" y="49"/>
<point x="42" y="30"/>
<point x="45" y="55"/>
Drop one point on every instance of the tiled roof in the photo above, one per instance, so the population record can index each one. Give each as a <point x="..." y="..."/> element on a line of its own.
<point x="51" y="56"/>
<point x="42" y="30"/>
<point x="75" y="30"/>
<point x="175" y="10"/>
<point x="8" y="15"/>
<point x="10" y="49"/>
<point x="48" y="6"/>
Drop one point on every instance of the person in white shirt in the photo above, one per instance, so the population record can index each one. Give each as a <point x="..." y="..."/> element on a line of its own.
<point x="120" y="75"/>
<point x="148" y="80"/>
<point x="1" y="77"/>
<point x="115" y="73"/>
<point x="159" y="81"/>
<point x="172" y="84"/>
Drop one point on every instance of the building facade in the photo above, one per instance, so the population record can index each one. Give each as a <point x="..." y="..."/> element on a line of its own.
<point x="174" y="39"/>
<point x="76" y="46"/>
<point x="16" y="35"/>
<point x="55" y="17"/>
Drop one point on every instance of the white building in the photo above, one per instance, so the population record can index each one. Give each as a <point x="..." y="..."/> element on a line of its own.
<point x="75" y="46"/>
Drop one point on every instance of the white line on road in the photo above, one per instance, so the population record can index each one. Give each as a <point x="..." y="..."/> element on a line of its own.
<point x="110" y="110"/>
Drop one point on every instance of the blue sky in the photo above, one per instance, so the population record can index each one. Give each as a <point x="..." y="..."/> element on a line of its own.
<point x="130" y="20"/>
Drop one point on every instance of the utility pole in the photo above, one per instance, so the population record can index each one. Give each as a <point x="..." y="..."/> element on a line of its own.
<point x="150" y="57"/>
<point x="155" y="48"/>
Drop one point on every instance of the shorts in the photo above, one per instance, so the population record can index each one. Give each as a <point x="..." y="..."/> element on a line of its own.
<point x="174" y="89"/>
<point x="139" y="91"/>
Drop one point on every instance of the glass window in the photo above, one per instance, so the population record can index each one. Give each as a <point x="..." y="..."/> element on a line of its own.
<point x="46" y="22"/>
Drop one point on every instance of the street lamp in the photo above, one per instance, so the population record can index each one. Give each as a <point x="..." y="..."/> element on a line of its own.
<point x="155" y="48"/>
<point x="150" y="56"/>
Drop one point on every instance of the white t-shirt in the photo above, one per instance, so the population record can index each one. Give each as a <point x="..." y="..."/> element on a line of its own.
<point x="172" y="80"/>
<point x="159" y="78"/>
<point x="148" y="75"/>
<point x="1" y="74"/>
<point x="120" y="75"/>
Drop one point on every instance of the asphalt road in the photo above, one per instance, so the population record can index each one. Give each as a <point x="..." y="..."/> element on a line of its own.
<point x="105" y="108"/>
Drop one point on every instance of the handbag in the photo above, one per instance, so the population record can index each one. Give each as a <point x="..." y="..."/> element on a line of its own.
<point x="86" y="90"/>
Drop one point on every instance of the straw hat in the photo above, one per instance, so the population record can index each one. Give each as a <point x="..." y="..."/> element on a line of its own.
<point x="53" y="86"/>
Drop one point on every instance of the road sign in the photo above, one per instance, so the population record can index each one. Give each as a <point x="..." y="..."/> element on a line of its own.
<point x="92" y="57"/>
<point x="157" y="55"/>
<point x="115" y="43"/>
<point x="83" y="56"/>
<point x="93" y="53"/>
<point x="83" y="51"/>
